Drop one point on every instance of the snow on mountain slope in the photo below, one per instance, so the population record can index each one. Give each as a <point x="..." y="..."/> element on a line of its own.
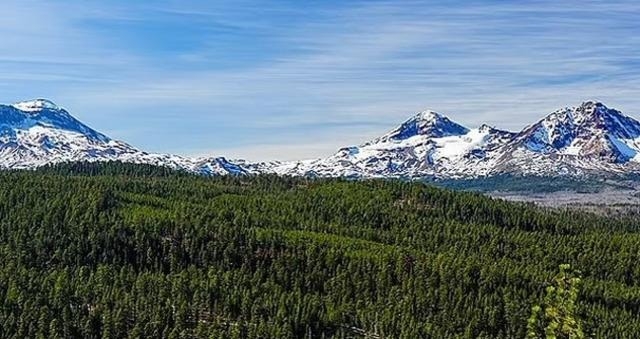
<point x="587" y="139"/>
<point x="427" y="144"/>
<point x="590" y="138"/>
<point x="426" y="123"/>
<point x="586" y="130"/>
<point x="35" y="133"/>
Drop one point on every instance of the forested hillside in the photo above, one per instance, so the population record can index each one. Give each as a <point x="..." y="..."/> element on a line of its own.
<point x="117" y="251"/>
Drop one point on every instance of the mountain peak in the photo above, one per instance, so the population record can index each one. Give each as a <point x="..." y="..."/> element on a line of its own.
<point x="589" y="110"/>
<point x="428" y="115"/>
<point x="35" y="115"/>
<point x="428" y="123"/>
<point x="36" y="105"/>
<point x="486" y="128"/>
<point x="592" y="103"/>
<point x="591" y="106"/>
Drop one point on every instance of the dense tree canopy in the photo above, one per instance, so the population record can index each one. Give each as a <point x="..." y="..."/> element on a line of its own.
<point x="117" y="251"/>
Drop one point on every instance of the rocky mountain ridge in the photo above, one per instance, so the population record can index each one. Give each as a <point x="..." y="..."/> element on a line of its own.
<point x="589" y="139"/>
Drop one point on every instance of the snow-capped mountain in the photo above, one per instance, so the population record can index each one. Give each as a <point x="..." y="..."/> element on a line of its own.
<point x="587" y="139"/>
<point x="590" y="138"/>
<point x="428" y="144"/>
<point x="35" y="133"/>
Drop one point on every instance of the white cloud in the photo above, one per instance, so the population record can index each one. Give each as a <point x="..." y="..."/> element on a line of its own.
<point x="376" y="62"/>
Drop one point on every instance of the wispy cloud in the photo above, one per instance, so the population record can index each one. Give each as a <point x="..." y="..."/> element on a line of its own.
<point x="241" y="75"/>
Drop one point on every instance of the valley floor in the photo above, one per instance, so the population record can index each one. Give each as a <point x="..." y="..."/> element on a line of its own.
<point x="608" y="196"/>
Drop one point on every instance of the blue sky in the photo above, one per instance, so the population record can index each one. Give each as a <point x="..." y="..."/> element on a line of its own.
<point x="299" y="79"/>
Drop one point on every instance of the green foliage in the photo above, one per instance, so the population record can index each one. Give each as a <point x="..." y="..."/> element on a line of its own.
<point x="122" y="251"/>
<point x="531" y="184"/>
<point x="557" y="317"/>
<point x="110" y="168"/>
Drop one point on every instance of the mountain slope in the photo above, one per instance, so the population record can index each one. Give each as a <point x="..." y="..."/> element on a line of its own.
<point x="35" y="133"/>
<point x="590" y="139"/>
<point x="426" y="144"/>
<point x="587" y="139"/>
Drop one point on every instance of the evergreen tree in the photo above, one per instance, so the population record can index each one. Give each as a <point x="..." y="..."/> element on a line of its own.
<point x="557" y="317"/>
